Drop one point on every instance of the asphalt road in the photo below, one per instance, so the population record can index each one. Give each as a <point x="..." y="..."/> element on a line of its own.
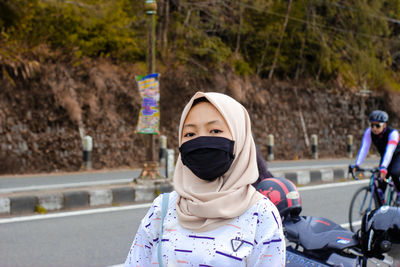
<point x="101" y="239"/>
<point x="104" y="238"/>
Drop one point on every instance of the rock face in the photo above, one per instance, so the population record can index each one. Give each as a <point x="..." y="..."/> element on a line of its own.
<point x="41" y="114"/>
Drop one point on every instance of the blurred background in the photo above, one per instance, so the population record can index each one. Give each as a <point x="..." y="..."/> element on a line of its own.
<point x="302" y="68"/>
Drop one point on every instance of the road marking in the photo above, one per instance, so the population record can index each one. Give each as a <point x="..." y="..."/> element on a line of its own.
<point x="72" y="213"/>
<point x="147" y="205"/>
<point x="331" y="185"/>
<point x="307" y="167"/>
<point x="125" y="181"/>
<point x="69" y="185"/>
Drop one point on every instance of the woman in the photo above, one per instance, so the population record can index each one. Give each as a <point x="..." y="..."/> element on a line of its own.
<point x="215" y="217"/>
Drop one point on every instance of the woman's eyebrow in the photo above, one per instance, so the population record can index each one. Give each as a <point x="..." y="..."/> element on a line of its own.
<point x="189" y="126"/>
<point x="214" y="122"/>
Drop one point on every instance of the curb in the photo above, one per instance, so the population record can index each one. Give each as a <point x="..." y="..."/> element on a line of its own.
<point x="114" y="195"/>
<point x="41" y="202"/>
<point x="304" y="177"/>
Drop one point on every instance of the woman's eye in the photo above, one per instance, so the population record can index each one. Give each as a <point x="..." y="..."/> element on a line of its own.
<point x="215" y="131"/>
<point x="188" y="135"/>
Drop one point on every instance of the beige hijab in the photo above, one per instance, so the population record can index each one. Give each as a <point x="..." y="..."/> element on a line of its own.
<point x="202" y="205"/>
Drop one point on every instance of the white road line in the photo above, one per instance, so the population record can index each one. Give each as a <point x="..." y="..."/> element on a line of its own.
<point x="331" y="185"/>
<point x="72" y="213"/>
<point x="307" y="167"/>
<point x="69" y="185"/>
<point x="146" y="205"/>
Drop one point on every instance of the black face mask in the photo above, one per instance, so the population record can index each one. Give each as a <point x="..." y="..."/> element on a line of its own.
<point x="208" y="157"/>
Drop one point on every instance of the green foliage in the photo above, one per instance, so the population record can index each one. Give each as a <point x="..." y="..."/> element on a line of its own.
<point x="89" y="28"/>
<point x="393" y="85"/>
<point x="241" y="67"/>
<point x="356" y="41"/>
<point x="9" y="13"/>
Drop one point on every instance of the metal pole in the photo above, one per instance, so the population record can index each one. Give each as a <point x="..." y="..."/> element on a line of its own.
<point x="270" y="147"/>
<point x="350" y="146"/>
<point x="87" y="152"/>
<point x="314" y="146"/>
<point x="150" y="168"/>
<point x="162" y="150"/>
<point x="151" y="10"/>
<point x="364" y="93"/>
<point x="170" y="161"/>
<point x="153" y="40"/>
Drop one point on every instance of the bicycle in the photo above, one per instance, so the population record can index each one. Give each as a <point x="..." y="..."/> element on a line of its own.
<point x="370" y="197"/>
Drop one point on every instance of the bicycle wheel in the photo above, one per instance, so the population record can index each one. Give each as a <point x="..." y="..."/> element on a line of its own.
<point x="358" y="206"/>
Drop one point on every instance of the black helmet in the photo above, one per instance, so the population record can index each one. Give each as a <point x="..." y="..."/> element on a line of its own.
<point x="378" y="116"/>
<point x="283" y="193"/>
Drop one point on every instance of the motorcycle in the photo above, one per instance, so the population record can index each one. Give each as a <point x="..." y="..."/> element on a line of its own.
<point x="320" y="242"/>
<point x="317" y="241"/>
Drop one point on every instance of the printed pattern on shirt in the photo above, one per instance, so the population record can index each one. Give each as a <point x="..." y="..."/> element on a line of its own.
<point x="253" y="239"/>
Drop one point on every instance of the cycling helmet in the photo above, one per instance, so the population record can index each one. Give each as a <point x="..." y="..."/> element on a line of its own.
<point x="283" y="193"/>
<point x="378" y="116"/>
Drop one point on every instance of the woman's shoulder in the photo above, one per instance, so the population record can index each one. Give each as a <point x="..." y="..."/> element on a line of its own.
<point x="265" y="206"/>
<point x="260" y="217"/>
<point x="264" y="202"/>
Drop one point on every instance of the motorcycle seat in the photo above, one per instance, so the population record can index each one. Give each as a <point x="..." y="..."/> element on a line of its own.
<point x="316" y="233"/>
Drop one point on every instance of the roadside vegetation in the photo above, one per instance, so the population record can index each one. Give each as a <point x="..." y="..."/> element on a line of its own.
<point x="355" y="42"/>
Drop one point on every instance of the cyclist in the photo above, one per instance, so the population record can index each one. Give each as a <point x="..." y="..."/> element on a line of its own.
<point x="386" y="141"/>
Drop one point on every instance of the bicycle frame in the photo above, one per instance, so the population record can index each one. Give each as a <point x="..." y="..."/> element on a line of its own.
<point x="383" y="199"/>
<point x="361" y="202"/>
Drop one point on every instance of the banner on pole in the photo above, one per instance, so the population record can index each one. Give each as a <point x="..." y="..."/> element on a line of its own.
<point x="149" y="116"/>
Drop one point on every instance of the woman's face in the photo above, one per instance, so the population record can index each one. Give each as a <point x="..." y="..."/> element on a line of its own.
<point x="204" y="119"/>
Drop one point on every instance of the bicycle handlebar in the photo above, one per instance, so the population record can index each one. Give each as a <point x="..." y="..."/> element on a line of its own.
<point x="374" y="171"/>
<point x="358" y="169"/>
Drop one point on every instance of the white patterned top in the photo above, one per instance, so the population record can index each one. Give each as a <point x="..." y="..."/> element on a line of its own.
<point x="255" y="238"/>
